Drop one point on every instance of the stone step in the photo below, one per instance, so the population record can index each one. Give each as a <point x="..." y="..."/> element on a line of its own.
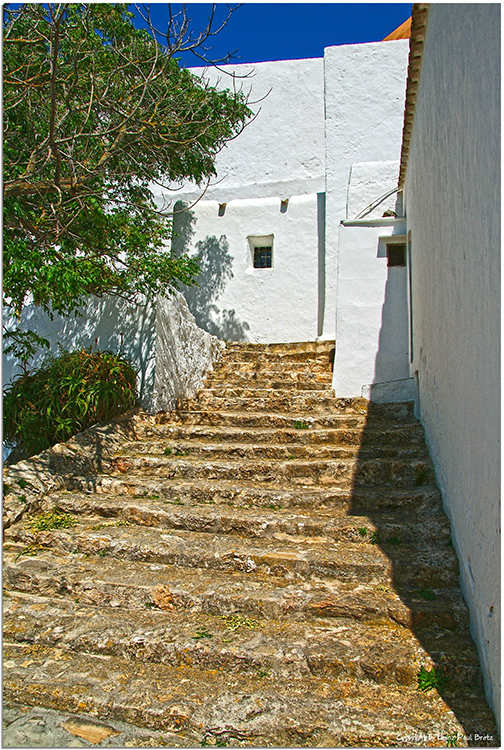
<point x="301" y="401"/>
<point x="216" y="707"/>
<point x="232" y="369"/>
<point x="267" y="419"/>
<point x="356" y="500"/>
<point x="106" y="581"/>
<point x="298" y="472"/>
<point x="318" y="556"/>
<point x="295" y="556"/>
<point x="315" y="347"/>
<point x="271" y="379"/>
<point x="363" y="436"/>
<point x="255" y="391"/>
<point x="323" y="355"/>
<point x="402" y="529"/>
<point x="385" y="653"/>
<point x="271" y="451"/>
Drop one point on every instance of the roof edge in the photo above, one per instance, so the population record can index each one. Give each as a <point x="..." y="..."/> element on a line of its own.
<point x="418" y="25"/>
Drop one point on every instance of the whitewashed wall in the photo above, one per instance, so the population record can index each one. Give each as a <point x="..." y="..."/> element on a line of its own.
<point x="372" y="324"/>
<point x="279" y="155"/>
<point x="318" y="117"/>
<point x="280" y="152"/>
<point x="365" y="86"/>
<point x="238" y="302"/>
<point x="452" y="203"/>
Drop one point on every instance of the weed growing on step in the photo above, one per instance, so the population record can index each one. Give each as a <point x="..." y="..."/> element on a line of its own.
<point x="52" y="520"/>
<point x="393" y="540"/>
<point x="422" y="476"/>
<point x="167" y="451"/>
<point x="362" y="530"/>
<point x="234" y="622"/>
<point x="102" y="552"/>
<point x="427" y="594"/>
<point x="202" y="633"/>
<point x="431" y="680"/>
<point x="22" y="483"/>
<point x="375" y="537"/>
<point x="262" y="673"/>
<point x="299" y="425"/>
<point x="290" y="457"/>
<point x="30" y="550"/>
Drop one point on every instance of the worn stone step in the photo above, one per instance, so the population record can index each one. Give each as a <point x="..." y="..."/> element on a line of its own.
<point x="318" y="556"/>
<point x="364" y="436"/>
<point x="295" y="556"/>
<point x="323" y="355"/>
<point x="352" y="500"/>
<point x="212" y="707"/>
<point x="312" y="401"/>
<point x="271" y="379"/>
<point x="386" y="653"/>
<point x="266" y="419"/>
<point x="301" y="472"/>
<point x="386" y="528"/>
<point x="317" y="347"/>
<point x="232" y="370"/>
<point x="136" y="585"/>
<point x="270" y="451"/>
<point x="255" y="391"/>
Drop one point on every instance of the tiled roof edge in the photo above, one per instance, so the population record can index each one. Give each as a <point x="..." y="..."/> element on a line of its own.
<point x="418" y="25"/>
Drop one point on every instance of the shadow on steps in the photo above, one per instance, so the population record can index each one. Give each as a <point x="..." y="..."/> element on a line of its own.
<point x="414" y="532"/>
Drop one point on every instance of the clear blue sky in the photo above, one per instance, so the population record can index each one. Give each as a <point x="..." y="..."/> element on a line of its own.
<point x="282" y="31"/>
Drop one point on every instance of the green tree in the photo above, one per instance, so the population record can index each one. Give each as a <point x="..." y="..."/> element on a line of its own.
<point x="96" y="112"/>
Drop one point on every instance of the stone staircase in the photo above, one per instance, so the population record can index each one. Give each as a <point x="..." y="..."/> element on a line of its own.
<point x="267" y="566"/>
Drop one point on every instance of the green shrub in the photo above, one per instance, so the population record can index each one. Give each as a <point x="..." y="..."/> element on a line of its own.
<point x="67" y="394"/>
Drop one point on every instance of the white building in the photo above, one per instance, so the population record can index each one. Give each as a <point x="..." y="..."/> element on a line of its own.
<point x="324" y="148"/>
<point x="294" y="246"/>
<point x="450" y="175"/>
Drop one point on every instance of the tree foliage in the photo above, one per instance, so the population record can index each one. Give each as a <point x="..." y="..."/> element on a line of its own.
<point x="96" y="112"/>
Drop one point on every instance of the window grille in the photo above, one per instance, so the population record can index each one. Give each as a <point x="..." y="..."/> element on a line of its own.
<point x="262" y="257"/>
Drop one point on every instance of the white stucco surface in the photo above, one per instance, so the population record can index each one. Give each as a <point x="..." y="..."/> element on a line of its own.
<point x="184" y="353"/>
<point x="315" y="118"/>
<point x="365" y="87"/>
<point x="236" y="301"/>
<point x="453" y="212"/>
<point x="281" y="152"/>
<point x="372" y="305"/>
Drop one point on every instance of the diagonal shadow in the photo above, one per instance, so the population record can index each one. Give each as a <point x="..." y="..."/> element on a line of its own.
<point x="216" y="269"/>
<point x="394" y="486"/>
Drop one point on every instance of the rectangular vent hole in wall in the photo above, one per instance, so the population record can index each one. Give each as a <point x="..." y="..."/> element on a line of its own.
<point x="262" y="251"/>
<point x="396" y="254"/>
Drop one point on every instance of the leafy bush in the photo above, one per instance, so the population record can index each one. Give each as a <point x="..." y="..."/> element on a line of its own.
<point x="67" y="394"/>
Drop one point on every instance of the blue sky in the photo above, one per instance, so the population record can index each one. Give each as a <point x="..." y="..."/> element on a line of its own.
<point x="281" y="31"/>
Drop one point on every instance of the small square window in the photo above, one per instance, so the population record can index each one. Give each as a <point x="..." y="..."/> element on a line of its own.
<point x="261" y="251"/>
<point x="262" y="257"/>
<point x="396" y="255"/>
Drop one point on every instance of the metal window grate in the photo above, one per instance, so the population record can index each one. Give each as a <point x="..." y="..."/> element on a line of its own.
<point x="262" y="257"/>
